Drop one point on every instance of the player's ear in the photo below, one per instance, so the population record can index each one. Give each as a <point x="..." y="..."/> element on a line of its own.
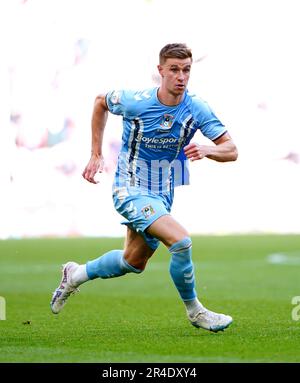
<point x="160" y="69"/>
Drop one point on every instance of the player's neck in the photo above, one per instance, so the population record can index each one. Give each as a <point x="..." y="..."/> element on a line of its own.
<point x="168" y="98"/>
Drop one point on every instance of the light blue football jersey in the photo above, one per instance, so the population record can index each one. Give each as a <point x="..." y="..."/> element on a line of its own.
<point x="154" y="134"/>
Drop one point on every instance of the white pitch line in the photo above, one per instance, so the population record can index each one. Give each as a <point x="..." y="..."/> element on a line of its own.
<point x="288" y="258"/>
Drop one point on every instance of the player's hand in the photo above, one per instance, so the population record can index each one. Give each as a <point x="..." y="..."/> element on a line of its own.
<point x="195" y="151"/>
<point x="94" y="166"/>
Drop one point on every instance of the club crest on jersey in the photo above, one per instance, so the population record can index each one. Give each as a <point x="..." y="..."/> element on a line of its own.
<point x="148" y="211"/>
<point x="166" y="123"/>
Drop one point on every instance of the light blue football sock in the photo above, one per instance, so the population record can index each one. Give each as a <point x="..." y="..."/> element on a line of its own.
<point x="182" y="269"/>
<point x="110" y="265"/>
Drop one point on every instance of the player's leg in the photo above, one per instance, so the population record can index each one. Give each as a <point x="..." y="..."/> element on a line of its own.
<point x="119" y="262"/>
<point x="167" y="230"/>
<point x="176" y="238"/>
<point x="136" y="251"/>
<point x="139" y="247"/>
<point x="114" y="263"/>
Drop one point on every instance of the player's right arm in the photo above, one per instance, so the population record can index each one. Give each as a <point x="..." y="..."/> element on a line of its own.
<point x="99" y="118"/>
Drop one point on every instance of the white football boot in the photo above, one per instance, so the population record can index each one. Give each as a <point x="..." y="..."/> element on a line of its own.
<point x="65" y="289"/>
<point x="210" y="321"/>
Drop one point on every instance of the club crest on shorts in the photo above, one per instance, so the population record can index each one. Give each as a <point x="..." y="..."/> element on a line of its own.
<point x="166" y="123"/>
<point x="148" y="211"/>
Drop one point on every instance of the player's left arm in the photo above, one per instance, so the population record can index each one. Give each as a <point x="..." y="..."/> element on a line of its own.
<point x="224" y="150"/>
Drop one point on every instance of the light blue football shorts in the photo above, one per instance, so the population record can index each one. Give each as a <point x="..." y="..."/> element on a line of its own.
<point x="141" y="209"/>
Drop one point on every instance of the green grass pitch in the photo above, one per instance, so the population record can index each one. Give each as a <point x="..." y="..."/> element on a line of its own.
<point x="140" y="318"/>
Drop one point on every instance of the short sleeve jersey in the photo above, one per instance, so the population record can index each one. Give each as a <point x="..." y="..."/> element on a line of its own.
<point x="154" y="136"/>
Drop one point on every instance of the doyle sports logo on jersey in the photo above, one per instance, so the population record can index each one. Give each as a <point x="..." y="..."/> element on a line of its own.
<point x="159" y="141"/>
<point x="166" y="123"/>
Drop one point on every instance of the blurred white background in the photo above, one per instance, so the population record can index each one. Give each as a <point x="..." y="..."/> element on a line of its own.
<point x="57" y="55"/>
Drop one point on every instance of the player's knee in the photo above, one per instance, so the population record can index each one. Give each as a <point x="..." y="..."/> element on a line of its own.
<point x="182" y="247"/>
<point x="181" y="260"/>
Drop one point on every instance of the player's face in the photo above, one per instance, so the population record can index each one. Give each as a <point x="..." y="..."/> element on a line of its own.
<point x="175" y="75"/>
